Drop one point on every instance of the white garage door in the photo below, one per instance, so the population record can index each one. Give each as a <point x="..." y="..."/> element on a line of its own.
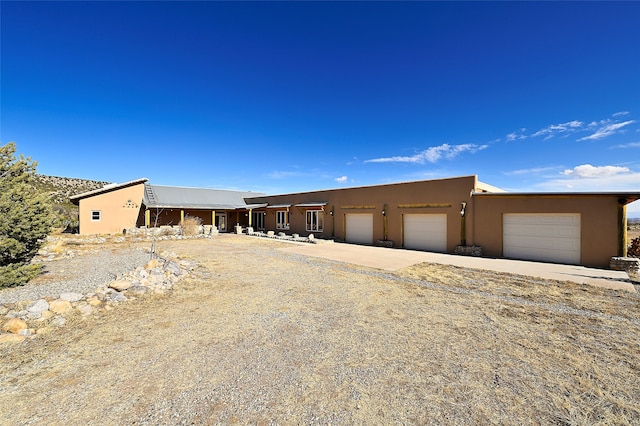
<point x="545" y="237"/>
<point x="425" y="232"/>
<point x="359" y="228"/>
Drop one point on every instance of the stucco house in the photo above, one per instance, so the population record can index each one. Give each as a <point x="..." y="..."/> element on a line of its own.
<point x="434" y="215"/>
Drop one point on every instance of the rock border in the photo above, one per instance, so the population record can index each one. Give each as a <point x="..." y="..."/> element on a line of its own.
<point x="29" y="319"/>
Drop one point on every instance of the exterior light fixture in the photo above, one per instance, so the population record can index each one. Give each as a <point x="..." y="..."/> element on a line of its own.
<point x="463" y="208"/>
<point x="384" y="213"/>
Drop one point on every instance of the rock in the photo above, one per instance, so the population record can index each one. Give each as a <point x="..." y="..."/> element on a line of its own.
<point x="11" y="338"/>
<point x="26" y="332"/>
<point x="14" y="325"/>
<point x="38" y="306"/>
<point x="60" y="306"/>
<point x="94" y="301"/>
<point x="120" y="285"/>
<point x="138" y="289"/>
<point x="45" y="315"/>
<point x="118" y="297"/>
<point x="71" y="296"/>
<point x="153" y="263"/>
<point x="173" y="268"/>
<point x="85" y="309"/>
<point x="3" y="310"/>
<point x="34" y="315"/>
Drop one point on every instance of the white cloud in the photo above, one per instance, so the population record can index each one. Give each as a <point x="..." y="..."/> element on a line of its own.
<point x="620" y="114"/>
<point x="516" y="135"/>
<point x="589" y="178"/>
<point x="432" y="155"/>
<point x="606" y="130"/>
<point x="341" y="179"/>
<point x="628" y="145"/>
<point x="532" y="171"/>
<point x="556" y="129"/>
<point x="588" y="171"/>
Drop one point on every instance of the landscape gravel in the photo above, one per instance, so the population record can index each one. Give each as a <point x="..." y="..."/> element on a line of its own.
<point x="82" y="274"/>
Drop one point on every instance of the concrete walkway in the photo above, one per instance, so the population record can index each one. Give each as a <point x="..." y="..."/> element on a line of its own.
<point x="394" y="259"/>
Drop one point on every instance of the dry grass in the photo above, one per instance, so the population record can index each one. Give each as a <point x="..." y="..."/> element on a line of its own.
<point x="191" y="225"/>
<point x="258" y="336"/>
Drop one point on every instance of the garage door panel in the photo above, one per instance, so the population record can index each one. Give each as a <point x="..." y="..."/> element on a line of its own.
<point x="425" y="232"/>
<point x="359" y="228"/>
<point x="544" y="236"/>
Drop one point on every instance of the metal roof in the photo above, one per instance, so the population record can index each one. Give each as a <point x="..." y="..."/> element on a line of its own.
<point x="157" y="196"/>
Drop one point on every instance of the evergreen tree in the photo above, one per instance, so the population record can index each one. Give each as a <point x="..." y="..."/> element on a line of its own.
<point x="25" y="218"/>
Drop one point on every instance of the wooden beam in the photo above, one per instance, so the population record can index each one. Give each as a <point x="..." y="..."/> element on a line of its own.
<point x="424" y="206"/>
<point x="622" y="230"/>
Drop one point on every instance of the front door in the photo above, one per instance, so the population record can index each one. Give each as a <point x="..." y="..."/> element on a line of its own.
<point x="221" y="221"/>
<point x="257" y="221"/>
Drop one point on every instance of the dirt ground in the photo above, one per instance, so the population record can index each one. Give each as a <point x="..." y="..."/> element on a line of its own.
<point x="259" y="336"/>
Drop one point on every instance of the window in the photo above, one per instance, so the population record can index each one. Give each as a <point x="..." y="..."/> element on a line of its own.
<point x="95" y="215"/>
<point x="282" y="219"/>
<point x="315" y="220"/>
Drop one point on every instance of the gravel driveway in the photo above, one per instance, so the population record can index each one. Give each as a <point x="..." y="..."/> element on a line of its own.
<point x="261" y="336"/>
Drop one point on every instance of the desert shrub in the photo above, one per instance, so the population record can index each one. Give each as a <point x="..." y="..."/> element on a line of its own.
<point x="191" y="225"/>
<point x="634" y="248"/>
<point x="25" y="218"/>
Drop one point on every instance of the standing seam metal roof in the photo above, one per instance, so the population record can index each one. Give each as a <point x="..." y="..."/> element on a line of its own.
<point x="195" y="198"/>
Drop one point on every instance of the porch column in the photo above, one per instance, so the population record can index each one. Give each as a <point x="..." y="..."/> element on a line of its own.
<point x="250" y="216"/>
<point x="622" y="228"/>
<point x="181" y="217"/>
<point x="147" y="218"/>
<point x="213" y="217"/>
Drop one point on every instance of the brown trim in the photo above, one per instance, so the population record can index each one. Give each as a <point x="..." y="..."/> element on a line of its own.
<point x="424" y="206"/>
<point x="357" y="207"/>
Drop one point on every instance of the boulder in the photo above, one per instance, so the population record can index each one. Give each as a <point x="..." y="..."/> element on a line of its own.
<point x="60" y="306"/>
<point x="120" y="285"/>
<point x="173" y="268"/>
<point x="71" y="296"/>
<point x="38" y="306"/>
<point x="14" y="325"/>
<point x="153" y="263"/>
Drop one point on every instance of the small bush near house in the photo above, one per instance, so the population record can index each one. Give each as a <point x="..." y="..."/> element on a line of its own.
<point x="634" y="248"/>
<point x="25" y="218"/>
<point x="191" y="225"/>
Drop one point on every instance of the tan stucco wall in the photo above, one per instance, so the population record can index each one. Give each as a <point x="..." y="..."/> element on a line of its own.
<point x="115" y="210"/>
<point x="372" y="199"/>
<point x="598" y="218"/>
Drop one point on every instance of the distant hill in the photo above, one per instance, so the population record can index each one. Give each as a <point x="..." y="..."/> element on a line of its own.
<point x="59" y="189"/>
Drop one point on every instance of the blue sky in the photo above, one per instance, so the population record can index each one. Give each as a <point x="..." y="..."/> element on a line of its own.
<point x="300" y="96"/>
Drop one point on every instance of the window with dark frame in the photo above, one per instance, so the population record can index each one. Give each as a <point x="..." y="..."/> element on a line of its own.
<point x="95" y="215"/>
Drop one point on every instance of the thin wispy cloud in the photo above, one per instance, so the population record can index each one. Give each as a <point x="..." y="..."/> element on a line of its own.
<point x="341" y="179"/>
<point x="518" y="135"/>
<point x="587" y="171"/>
<point x="620" y="114"/>
<point x="607" y="130"/>
<point x="532" y="171"/>
<point x="433" y="154"/>
<point x="628" y="145"/>
<point x="559" y="129"/>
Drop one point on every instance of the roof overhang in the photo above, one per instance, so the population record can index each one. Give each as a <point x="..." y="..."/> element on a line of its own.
<point x="75" y="199"/>
<point x="312" y="206"/>
<point x="624" y="198"/>
<point x="279" y="206"/>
